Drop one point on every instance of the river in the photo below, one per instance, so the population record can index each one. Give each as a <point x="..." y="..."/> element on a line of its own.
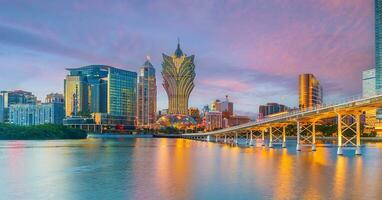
<point x="150" y="168"/>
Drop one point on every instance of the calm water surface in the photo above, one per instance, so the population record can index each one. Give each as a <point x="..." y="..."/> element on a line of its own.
<point x="183" y="169"/>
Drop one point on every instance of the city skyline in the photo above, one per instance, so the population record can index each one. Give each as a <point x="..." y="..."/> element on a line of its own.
<point x="339" y="34"/>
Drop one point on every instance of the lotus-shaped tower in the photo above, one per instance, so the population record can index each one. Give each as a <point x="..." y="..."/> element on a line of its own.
<point x="178" y="80"/>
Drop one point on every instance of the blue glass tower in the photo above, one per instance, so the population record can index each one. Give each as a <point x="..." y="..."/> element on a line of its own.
<point x="378" y="45"/>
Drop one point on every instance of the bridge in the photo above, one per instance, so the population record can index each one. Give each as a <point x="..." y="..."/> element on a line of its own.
<point x="347" y="114"/>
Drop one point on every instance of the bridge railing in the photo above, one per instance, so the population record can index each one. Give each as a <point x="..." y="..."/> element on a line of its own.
<point x="306" y="110"/>
<point x="322" y="106"/>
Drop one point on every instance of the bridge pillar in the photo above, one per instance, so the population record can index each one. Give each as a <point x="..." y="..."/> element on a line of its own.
<point x="314" y="136"/>
<point x="298" y="147"/>
<point x="339" y="134"/>
<point x="284" y="138"/>
<point x="216" y="138"/>
<point x="358" y="135"/>
<point x="270" y="145"/>
<point x="263" y="137"/>
<point x="208" y="138"/>
<point x="251" y="139"/>
<point x="225" y="138"/>
<point x="350" y="122"/>
<point x="236" y="139"/>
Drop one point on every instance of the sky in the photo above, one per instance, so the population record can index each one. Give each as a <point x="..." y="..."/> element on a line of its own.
<point x="251" y="51"/>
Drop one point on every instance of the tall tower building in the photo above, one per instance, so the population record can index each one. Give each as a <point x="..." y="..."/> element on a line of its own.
<point x="147" y="95"/>
<point x="178" y="80"/>
<point x="378" y="45"/>
<point x="101" y="89"/>
<point x="310" y="91"/>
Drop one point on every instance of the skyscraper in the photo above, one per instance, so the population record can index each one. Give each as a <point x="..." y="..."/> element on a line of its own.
<point x="101" y="89"/>
<point x="147" y="95"/>
<point x="178" y="80"/>
<point x="378" y="45"/>
<point x="310" y="91"/>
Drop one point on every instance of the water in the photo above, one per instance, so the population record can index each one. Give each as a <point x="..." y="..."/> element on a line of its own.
<point x="183" y="169"/>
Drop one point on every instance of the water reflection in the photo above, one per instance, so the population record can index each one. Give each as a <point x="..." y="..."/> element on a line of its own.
<point x="183" y="169"/>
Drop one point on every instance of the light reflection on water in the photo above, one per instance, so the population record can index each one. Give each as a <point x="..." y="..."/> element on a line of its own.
<point x="183" y="169"/>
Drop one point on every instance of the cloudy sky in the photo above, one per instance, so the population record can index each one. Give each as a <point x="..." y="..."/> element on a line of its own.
<point x="252" y="51"/>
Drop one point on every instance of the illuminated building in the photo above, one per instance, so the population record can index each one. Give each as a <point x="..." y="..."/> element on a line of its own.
<point x="178" y="80"/>
<point x="270" y="108"/>
<point x="147" y="95"/>
<point x="378" y="45"/>
<point x="179" y="121"/>
<point x="9" y="98"/>
<point x="213" y="120"/>
<point x="101" y="89"/>
<point x="310" y="91"/>
<point x="76" y="95"/>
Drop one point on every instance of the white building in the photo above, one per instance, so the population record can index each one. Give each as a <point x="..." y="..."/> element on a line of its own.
<point x="35" y="114"/>
<point x="368" y="83"/>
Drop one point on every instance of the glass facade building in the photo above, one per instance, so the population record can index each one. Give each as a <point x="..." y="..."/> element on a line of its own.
<point x="310" y="91"/>
<point x="101" y="89"/>
<point x="378" y="45"/>
<point x="147" y="95"/>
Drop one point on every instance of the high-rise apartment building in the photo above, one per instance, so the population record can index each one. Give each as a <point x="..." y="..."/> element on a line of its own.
<point x="178" y="80"/>
<point x="310" y="91"/>
<point x="146" y="95"/>
<point x="214" y="120"/>
<point x="101" y="89"/>
<point x="270" y="108"/>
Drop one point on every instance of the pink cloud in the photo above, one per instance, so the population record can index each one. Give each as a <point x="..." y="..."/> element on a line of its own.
<point x="226" y="84"/>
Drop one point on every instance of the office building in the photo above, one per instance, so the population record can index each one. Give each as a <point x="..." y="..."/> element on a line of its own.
<point x="310" y="91"/>
<point x="101" y="89"/>
<point x="147" y="95"/>
<point x="178" y="80"/>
